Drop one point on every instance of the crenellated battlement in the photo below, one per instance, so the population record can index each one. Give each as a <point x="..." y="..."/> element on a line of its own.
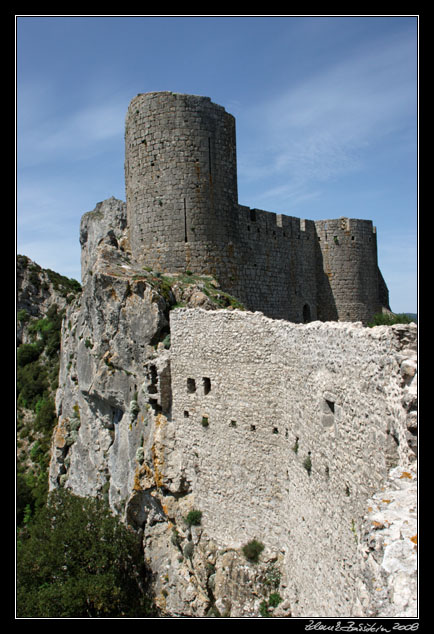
<point x="183" y="214"/>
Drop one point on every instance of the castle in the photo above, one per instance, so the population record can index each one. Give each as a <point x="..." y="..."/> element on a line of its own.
<point x="276" y="431"/>
<point x="183" y="214"/>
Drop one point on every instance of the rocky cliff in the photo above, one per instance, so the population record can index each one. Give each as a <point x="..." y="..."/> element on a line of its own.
<point x="42" y="297"/>
<point x="124" y="433"/>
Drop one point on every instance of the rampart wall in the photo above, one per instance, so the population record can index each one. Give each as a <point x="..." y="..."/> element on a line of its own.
<point x="183" y="214"/>
<point x="285" y="431"/>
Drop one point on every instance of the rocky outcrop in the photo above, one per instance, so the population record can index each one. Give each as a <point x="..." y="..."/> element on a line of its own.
<point x="38" y="290"/>
<point x="388" y="547"/>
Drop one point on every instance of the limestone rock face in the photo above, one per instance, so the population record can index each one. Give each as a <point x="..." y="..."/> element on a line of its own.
<point x="389" y="546"/>
<point x="107" y="222"/>
<point x="108" y="340"/>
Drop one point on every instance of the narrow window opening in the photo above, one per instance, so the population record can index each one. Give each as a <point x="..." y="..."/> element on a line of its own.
<point x="186" y="414"/>
<point x="331" y="406"/>
<point x="153" y="378"/>
<point x="206" y="385"/>
<point x="185" y="222"/>
<point x="253" y="215"/>
<point x="205" y="421"/>
<point x="306" y="313"/>
<point x="252" y="427"/>
<point x="275" y="430"/>
<point x="191" y="386"/>
<point x="209" y="155"/>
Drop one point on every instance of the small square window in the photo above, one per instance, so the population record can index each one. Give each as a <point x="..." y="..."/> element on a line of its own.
<point x="191" y="386"/>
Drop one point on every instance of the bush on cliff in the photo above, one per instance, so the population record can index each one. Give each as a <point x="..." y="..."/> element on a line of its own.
<point x="75" y="560"/>
<point x="252" y="550"/>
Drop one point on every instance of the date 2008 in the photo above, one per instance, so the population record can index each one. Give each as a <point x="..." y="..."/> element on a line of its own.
<point x="371" y="628"/>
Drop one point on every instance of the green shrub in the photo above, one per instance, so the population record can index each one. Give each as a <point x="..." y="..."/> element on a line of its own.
<point x="27" y="353"/>
<point x="263" y="609"/>
<point x="23" y="316"/>
<point x="45" y="414"/>
<point x="273" y="576"/>
<point x="307" y="464"/>
<point x="31" y="384"/>
<point x="194" y="518"/>
<point x="389" y="319"/>
<point x="76" y="560"/>
<point x="274" y="599"/>
<point x="252" y="550"/>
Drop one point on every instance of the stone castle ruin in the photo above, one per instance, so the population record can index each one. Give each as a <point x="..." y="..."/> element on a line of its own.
<point x="301" y="436"/>
<point x="183" y="214"/>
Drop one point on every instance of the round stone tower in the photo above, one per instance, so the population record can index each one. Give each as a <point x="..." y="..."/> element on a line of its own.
<point x="181" y="181"/>
<point x="350" y="289"/>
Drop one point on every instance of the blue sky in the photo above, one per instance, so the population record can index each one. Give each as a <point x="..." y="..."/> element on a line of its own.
<point x="326" y="113"/>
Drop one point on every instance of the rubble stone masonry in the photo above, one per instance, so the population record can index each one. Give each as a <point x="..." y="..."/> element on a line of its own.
<point x="285" y="431"/>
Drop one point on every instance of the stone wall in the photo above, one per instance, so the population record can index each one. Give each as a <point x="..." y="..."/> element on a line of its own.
<point x="285" y="431"/>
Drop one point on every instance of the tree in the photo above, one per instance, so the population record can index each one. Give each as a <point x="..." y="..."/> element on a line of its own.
<point x="75" y="559"/>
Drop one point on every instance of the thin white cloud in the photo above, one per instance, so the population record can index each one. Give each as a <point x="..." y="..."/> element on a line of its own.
<point x="323" y="126"/>
<point x="46" y="137"/>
